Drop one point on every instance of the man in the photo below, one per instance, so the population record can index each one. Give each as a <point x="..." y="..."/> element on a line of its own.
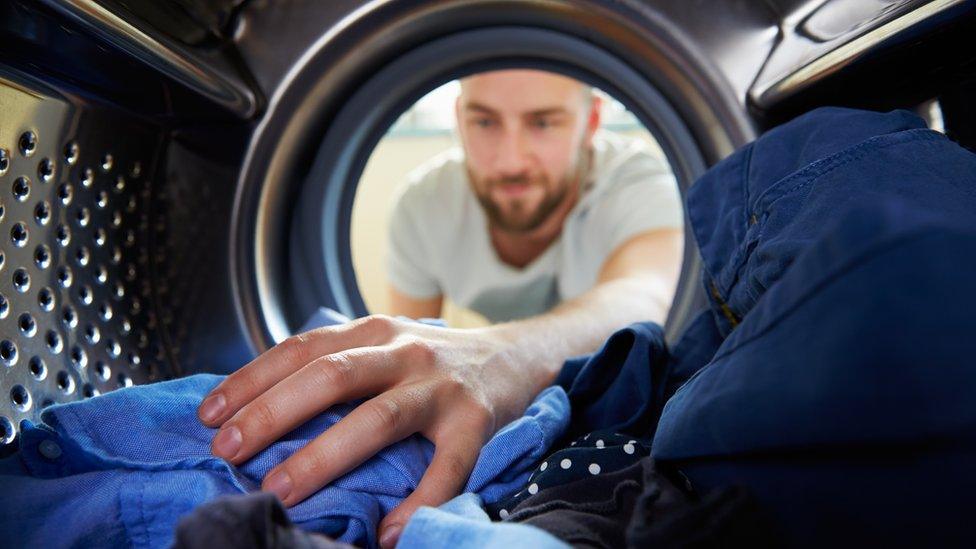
<point x="531" y="209"/>
<point x="527" y="138"/>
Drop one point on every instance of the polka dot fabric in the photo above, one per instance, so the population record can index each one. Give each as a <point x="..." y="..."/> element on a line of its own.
<point x="599" y="452"/>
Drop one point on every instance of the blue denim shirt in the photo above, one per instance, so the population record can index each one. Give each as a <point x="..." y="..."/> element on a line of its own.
<point x="121" y="468"/>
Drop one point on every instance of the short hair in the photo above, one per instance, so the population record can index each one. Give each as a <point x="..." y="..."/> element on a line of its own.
<point x="589" y="92"/>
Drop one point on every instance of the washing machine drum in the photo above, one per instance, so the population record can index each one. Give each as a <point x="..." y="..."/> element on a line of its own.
<point x="177" y="177"/>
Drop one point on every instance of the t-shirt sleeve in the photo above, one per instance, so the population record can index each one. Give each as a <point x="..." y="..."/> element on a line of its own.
<point x="642" y="196"/>
<point x="407" y="264"/>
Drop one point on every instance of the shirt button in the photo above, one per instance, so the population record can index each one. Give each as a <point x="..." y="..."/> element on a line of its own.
<point x="49" y="449"/>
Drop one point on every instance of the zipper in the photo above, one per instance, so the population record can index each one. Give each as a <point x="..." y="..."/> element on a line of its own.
<point x="724" y="307"/>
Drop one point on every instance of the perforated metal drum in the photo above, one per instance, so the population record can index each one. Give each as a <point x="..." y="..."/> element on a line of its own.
<point x="76" y="293"/>
<point x="89" y="196"/>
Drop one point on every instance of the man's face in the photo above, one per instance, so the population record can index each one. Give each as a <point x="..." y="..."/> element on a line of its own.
<point x="525" y="135"/>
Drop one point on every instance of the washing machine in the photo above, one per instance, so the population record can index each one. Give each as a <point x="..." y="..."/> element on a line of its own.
<point x="177" y="176"/>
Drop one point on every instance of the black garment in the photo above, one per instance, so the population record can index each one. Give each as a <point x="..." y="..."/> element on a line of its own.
<point x="639" y="506"/>
<point x="256" y="520"/>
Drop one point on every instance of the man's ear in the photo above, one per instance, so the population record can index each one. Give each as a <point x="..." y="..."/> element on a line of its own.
<point x="594" y="119"/>
<point x="457" y="118"/>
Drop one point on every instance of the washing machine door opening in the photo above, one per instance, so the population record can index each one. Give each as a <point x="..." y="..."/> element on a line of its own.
<point x="321" y="259"/>
<point x="559" y="170"/>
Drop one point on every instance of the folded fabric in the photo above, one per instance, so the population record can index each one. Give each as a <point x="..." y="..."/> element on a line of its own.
<point x="121" y="468"/>
<point x="462" y="522"/>
<point x="619" y="387"/>
<point x="755" y="212"/>
<point x="839" y="251"/>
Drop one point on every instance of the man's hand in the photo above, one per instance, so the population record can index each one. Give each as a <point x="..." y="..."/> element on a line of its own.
<point x="455" y="387"/>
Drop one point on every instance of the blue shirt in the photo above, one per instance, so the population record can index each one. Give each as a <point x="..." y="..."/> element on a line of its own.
<point x="121" y="468"/>
<point x="462" y="522"/>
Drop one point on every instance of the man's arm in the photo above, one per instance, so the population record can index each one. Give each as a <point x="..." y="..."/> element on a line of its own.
<point x="455" y="387"/>
<point x="636" y="283"/>
<point x="402" y="304"/>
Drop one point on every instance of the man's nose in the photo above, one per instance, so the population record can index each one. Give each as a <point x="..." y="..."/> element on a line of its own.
<point x="513" y="155"/>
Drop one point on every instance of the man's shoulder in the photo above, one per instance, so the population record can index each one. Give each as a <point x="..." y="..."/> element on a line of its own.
<point x="438" y="173"/>
<point x="432" y="185"/>
<point x="435" y="194"/>
<point x="615" y="153"/>
<point x="621" y="161"/>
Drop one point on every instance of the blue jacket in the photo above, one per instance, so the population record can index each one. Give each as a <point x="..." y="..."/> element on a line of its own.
<point x="839" y="254"/>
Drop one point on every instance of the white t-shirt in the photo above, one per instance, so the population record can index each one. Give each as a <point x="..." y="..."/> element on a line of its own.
<point x="439" y="241"/>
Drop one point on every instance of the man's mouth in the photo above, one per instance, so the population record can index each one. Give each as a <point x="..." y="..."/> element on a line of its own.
<point x="513" y="189"/>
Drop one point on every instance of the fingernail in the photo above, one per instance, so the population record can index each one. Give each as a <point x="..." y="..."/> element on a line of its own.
<point x="227" y="442"/>
<point x="278" y="483"/>
<point x="212" y="407"/>
<point x="389" y="537"/>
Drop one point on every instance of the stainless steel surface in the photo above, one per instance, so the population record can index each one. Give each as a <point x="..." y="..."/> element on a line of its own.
<point x="735" y="36"/>
<point x="813" y="45"/>
<point x="214" y="78"/>
<point x="76" y="315"/>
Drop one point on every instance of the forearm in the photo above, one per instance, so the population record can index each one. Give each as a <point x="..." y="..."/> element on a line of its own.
<point x="542" y="343"/>
<point x="401" y="304"/>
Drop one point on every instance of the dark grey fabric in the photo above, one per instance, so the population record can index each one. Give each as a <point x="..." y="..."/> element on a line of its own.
<point x="639" y="506"/>
<point x="256" y="520"/>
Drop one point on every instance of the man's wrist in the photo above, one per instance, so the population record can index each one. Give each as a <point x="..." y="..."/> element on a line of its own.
<point x="529" y="349"/>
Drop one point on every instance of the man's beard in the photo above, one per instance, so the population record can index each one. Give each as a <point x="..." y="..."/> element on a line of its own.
<point x="515" y="218"/>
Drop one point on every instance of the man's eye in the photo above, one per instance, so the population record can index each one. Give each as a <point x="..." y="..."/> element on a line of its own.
<point x="542" y="123"/>
<point x="484" y="122"/>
